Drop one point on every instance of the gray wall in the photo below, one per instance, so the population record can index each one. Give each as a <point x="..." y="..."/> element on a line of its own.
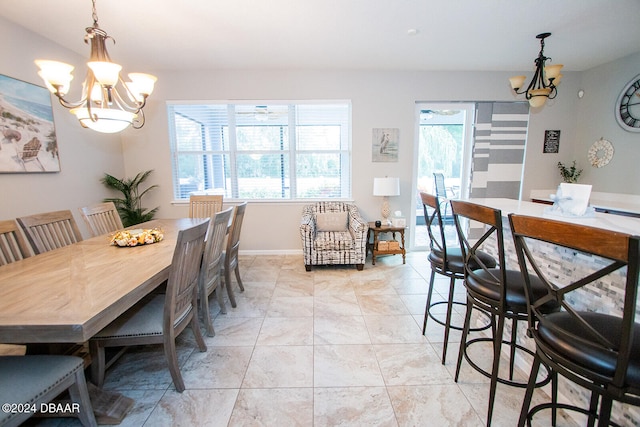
<point x="380" y="99"/>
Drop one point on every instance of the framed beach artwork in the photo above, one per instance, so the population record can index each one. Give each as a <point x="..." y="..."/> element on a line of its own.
<point x="385" y="144"/>
<point x="28" y="140"/>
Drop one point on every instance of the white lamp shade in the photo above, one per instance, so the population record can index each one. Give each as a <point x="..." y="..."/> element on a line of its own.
<point x="143" y="83"/>
<point x="539" y="97"/>
<point x="517" y="81"/>
<point x="108" y="120"/>
<point x="106" y="72"/>
<point x="552" y="71"/>
<point x="55" y="74"/>
<point x="387" y="186"/>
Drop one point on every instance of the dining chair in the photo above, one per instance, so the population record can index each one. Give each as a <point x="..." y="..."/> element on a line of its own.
<point x="493" y="289"/>
<point x="231" y="252"/>
<point x="446" y="259"/>
<point x="13" y="246"/>
<point x="599" y="351"/>
<point x="34" y="380"/>
<point x="51" y="230"/>
<point x="159" y="318"/>
<point x="211" y="269"/>
<point x="205" y="206"/>
<point x="101" y="218"/>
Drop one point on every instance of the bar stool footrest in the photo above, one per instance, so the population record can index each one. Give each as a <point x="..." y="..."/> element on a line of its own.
<point x="566" y="407"/>
<point x="458" y="328"/>
<point x="512" y="383"/>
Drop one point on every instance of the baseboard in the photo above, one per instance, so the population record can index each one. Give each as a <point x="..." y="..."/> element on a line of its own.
<point x="253" y="252"/>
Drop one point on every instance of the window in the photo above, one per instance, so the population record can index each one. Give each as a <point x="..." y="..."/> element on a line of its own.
<point x="273" y="151"/>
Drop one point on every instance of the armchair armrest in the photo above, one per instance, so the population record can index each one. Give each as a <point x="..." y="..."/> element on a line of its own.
<point x="357" y="225"/>
<point x="307" y="225"/>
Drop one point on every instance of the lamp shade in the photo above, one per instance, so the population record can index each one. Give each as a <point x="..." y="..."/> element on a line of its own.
<point x="387" y="186"/>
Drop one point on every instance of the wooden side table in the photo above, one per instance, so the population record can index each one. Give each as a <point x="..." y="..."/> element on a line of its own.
<point x="373" y="245"/>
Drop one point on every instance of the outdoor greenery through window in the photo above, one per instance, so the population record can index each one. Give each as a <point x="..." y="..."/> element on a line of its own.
<point x="274" y="151"/>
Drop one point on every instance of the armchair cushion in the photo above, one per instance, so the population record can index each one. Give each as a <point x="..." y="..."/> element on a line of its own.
<point x="332" y="221"/>
<point x="333" y="241"/>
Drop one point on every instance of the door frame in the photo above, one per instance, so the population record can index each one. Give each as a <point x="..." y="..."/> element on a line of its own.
<point x="467" y="155"/>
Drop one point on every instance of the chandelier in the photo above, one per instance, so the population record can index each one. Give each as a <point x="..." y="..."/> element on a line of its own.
<point x="108" y="103"/>
<point x="545" y="79"/>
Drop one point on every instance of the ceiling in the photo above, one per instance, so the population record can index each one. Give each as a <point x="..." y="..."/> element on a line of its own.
<point x="492" y="35"/>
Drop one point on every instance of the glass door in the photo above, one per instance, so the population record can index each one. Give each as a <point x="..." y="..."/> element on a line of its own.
<point x="443" y="154"/>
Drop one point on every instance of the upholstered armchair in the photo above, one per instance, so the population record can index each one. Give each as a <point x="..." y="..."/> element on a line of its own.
<point x="333" y="233"/>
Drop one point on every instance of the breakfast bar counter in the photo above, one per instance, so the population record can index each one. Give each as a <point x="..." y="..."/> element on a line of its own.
<point x="607" y="297"/>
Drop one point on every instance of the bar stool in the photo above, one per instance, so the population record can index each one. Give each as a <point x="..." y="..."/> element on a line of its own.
<point x="447" y="261"/>
<point x="600" y="352"/>
<point x="495" y="290"/>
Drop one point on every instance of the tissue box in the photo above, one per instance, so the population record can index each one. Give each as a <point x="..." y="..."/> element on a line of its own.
<point x="394" y="245"/>
<point x="383" y="245"/>
<point x="399" y="222"/>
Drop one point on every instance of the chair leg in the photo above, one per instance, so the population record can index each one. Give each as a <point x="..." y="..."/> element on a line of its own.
<point x="526" y="402"/>
<point x="605" y="411"/>
<point x="172" y="361"/>
<point x="80" y="394"/>
<point x="227" y="284"/>
<point x="97" y="363"/>
<point x="220" y="298"/>
<point x="426" y="308"/>
<point x="512" y="354"/>
<point x="202" y="346"/>
<point x="206" y="316"/>
<point x="240" y="285"/>
<point x="497" y="346"/>
<point x="554" y="397"/>
<point x="463" y="339"/>
<point x="447" y="326"/>
<point x="593" y="409"/>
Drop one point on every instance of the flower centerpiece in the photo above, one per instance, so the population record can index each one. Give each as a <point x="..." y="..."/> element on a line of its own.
<point x="137" y="237"/>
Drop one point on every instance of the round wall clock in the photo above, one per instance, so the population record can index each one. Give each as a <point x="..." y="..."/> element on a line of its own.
<point x="600" y="153"/>
<point x="628" y="106"/>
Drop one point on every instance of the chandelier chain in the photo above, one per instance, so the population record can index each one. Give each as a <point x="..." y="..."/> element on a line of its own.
<point x="94" y="13"/>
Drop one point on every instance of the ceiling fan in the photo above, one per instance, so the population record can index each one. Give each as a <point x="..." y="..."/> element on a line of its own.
<point x="263" y="113"/>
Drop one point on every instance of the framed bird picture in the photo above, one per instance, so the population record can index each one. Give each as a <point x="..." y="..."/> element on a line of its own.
<point x="385" y="144"/>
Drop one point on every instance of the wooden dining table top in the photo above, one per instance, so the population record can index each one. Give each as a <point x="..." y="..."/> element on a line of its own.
<point x="71" y="293"/>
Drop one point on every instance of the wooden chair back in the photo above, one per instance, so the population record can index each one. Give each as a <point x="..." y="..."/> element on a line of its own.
<point x="13" y="246"/>
<point x="205" y="206"/>
<point x="211" y="269"/>
<point x="233" y="242"/>
<point x="181" y="301"/>
<point x="475" y="264"/>
<point x="102" y="218"/>
<point x="51" y="230"/>
<point x="613" y="253"/>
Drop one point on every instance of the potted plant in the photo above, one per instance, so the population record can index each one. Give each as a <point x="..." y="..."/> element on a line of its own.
<point x="130" y="207"/>
<point x="569" y="174"/>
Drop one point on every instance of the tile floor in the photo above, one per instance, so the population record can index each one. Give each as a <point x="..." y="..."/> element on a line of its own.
<point x="331" y="347"/>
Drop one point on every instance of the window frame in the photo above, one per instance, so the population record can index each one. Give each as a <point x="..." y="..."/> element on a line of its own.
<point x="231" y="151"/>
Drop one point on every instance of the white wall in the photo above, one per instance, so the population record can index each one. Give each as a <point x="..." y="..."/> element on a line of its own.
<point x="84" y="155"/>
<point x="379" y="99"/>
<point x="596" y="120"/>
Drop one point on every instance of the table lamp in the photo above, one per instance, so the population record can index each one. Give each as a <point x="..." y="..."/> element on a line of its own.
<point x="385" y="187"/>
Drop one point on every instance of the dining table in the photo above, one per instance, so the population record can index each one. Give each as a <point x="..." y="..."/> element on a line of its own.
<point x="69" y="294"/>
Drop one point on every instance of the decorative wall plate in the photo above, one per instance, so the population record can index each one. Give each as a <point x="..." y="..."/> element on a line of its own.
<point x="600" y="153"/>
